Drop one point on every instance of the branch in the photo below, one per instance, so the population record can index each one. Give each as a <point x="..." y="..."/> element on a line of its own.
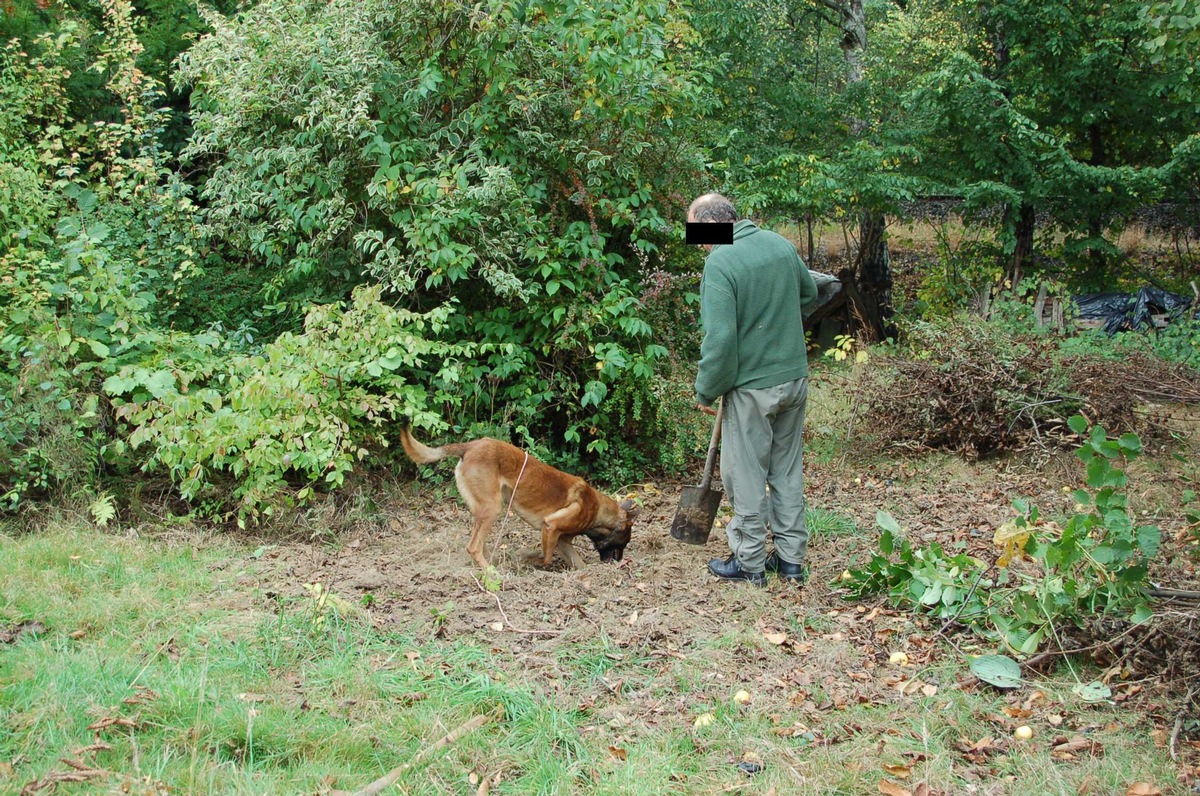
<point x="389" y="779"/>
<point x="1174" y="745"/>
<point x="835" y="7"/>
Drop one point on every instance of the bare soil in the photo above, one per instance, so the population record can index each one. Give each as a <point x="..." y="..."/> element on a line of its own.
<point x="410" y="556"/>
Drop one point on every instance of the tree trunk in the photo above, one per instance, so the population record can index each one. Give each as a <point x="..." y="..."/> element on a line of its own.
<point x="875" y="275"/>
<point x="1023" y="231"/>
<point x="874" y="262"/>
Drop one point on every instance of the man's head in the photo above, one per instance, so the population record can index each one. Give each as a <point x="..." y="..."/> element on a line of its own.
<point x="710" y="208"/>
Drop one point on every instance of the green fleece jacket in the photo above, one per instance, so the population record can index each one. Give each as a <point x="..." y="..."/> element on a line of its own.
<point x="751" y="299"/>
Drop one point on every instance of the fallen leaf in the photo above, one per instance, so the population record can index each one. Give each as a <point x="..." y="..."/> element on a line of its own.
<point x="1017" y="713"/>
<point x="889" y="788"/>
<point x="1068" y="749"/>
<point x="898" y="770"/>
<point x="497" y="626"/>
<point x="929" y="690"/>
<point x="249" y="697"/>
<point x="1142" y="789"/>
<point x="632" y="620"/>
<point x="617" y="752"/>
<point x="1054" y="719"/>
<point x="775" y="638"/>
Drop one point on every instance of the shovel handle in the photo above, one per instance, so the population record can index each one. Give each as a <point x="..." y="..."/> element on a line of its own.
<point x="712" y="446"/>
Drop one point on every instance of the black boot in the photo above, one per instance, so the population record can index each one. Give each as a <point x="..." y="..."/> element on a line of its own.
<point x="797" y="573"/>
<point x="730" y="569"/>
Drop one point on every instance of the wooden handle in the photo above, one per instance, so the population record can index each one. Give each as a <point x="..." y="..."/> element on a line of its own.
<point x="712" y="446"/>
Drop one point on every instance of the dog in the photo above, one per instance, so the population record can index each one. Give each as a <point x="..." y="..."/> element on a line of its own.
<point x="492" y="475"/>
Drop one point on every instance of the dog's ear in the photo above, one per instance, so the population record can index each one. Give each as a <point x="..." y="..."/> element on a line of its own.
<point x="630" y="508"/>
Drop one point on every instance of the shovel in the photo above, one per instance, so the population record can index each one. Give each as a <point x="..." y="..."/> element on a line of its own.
<point x="698" y="504"/>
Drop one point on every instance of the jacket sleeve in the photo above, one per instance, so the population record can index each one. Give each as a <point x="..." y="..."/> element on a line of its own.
<point x="718" y="367"/>
<point x="808" y="287"/>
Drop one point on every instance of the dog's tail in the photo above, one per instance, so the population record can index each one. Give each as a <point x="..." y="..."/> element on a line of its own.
<point x="423" y="454"/>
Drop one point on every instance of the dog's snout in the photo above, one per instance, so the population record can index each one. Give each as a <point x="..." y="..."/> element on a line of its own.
<point x="612" y="554"/>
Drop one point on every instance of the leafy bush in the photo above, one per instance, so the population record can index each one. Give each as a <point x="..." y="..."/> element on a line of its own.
<point x="527" y="162"/>
<point x="1094" y="563"/>
<point x="88" y="263"/>
<point x="305" y="409"/>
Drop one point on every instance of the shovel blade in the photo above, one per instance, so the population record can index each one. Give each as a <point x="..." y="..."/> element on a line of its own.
<point x="694" y="517"/>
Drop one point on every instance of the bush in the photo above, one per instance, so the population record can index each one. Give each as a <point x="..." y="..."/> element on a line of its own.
<point x="523" y="161"/>
<point x="302" y="412"/>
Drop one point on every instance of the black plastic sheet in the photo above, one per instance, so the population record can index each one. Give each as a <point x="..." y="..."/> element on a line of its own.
<point x="1125" y="311"/>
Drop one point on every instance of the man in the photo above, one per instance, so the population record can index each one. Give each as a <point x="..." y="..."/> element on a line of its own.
<point x="753" y="358"/>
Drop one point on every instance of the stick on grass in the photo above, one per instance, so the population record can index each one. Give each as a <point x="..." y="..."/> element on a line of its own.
<point x="390" y="778"/>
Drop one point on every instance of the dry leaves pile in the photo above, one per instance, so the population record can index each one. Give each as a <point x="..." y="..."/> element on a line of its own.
<point x="975" y="391"/>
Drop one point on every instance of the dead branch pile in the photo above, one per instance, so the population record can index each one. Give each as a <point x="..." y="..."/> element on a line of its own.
<point x="980" y="392"/>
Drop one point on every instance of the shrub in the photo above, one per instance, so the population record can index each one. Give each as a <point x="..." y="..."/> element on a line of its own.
<point x="1052" y="575"/>
<point x="525" y="161"/>
<point x="302" y="412"/>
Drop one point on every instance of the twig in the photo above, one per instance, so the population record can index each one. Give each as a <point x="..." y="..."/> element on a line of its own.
<point x="1173" y="594"/>
<point x="1036" y="659"/>
<point x="500" y="605"/>
<point x="963" y="604"/>
<point x="389" y="779"/>
<point x="1174" y="745"/>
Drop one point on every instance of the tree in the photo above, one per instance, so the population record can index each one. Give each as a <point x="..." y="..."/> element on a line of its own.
<point x="525" y="161"/>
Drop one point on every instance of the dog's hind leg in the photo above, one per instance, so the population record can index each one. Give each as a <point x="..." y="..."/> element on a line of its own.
<point x="482" y="494"/>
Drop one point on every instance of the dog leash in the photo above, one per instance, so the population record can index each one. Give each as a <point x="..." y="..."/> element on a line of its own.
<point x="511" y="498"/>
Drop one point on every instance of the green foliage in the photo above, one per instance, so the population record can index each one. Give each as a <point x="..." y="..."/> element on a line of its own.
<point x="525" y="162"/>
<point x="946" y="586"/>
<point x="309" y="406"/>
<point x="88" y="265"/>
<point x="1095" y="563"/>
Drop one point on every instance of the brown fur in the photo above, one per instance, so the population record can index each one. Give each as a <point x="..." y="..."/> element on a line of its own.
<point x="561" y="506"/>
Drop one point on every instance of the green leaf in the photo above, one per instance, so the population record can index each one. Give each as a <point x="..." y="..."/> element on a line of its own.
<point x="1130" y="442"/>
<point x="1094" y="691"/>
<point x="99" y="348"/>
<point x="998" y="670"/>
<point x="888" y="523"/>
<point x="1149" y="537"/>
<point x="1141" y="614"/>
<point x="1078" y="424"/>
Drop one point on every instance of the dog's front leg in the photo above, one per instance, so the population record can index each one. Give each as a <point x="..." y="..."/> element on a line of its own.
<point x="553" y="526"/>
<point x="566" y="549"/>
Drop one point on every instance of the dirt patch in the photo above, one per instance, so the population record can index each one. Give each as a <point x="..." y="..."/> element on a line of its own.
<point x="13" y="632"/>
<point x="409" y="569"/>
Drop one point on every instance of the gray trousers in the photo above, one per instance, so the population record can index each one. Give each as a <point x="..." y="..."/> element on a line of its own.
<point x="762" y="468"/>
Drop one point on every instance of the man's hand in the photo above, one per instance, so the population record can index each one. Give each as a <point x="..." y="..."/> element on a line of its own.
<point x="708" y="410"/>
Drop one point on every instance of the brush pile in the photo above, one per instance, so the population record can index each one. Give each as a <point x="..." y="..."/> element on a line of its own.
<point x="978" y="391"/>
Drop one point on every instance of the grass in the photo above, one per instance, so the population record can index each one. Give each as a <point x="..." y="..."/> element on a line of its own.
<point x="224" y="690"/>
